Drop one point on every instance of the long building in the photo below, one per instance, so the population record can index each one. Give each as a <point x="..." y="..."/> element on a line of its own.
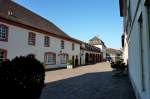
<point x="136" y="37"/>
<point x="22" y="32"/>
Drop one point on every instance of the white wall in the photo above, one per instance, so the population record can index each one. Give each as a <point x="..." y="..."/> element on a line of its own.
<point x="125" y="49"/>
<point x="17" y="45"/>
<point x="103" y="49"/>
<point x="135" y="53"/>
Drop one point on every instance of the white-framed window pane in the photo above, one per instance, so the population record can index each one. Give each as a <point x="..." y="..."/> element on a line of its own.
<point x="50" y="58"/>
<point x="2" y="55"/>
<point x="3" y="32"/>
<point x="31" y="38"/>
<point x="62" y="44"/>
<point x="46" y="41"/>
<point x="63" y="58"/>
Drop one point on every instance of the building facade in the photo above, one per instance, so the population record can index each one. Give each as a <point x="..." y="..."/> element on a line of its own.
<point x="90" y="54"/>
<point x="114" y="54"/>
<point x="136" y="15"/>
<point x="100" y="44"/>
<point x="22" y="32"/>
<point x="125" y="47"/>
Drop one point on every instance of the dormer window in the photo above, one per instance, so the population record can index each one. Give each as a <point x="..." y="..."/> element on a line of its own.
<point x="3" y="32"/>
<point x="10" y="13"/>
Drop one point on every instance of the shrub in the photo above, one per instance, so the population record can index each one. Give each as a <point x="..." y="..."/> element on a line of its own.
<point x="21" y="78"/>
<point x="118" y="65"/>
<point x="69" y="62"/>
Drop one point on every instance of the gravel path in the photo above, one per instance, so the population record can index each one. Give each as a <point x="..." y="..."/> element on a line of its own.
<point x="87" y="82"/>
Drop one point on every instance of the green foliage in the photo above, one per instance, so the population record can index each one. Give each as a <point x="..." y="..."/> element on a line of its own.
<point x="119" y="65"/>
<point x="21" y="78"/>
<point x="69" y="62"/>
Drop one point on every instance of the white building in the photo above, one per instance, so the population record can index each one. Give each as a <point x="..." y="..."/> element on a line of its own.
<point x="137" y="27"/>
<point x="125" y="47"/>
<point x="23" y="32"/>
<point x="100" y="44"/>
<point x="124" y="39"/>
<point x="90" y="54"/>
<point x="114" y="54"/>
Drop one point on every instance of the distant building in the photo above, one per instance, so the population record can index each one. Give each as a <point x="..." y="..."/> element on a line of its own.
<point x="114" y="54"/>
<point x="96" y="41"/>
<point x="90" y="54"/>
<point x="136" y="44"/>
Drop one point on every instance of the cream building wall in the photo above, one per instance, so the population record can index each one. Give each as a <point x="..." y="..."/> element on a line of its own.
<point x="17" y="45"/>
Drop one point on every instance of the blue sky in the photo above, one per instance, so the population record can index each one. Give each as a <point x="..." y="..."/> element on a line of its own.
<point x="82" y="19"/>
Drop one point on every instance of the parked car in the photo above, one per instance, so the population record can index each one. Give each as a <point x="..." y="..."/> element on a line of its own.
<point x="108" y="58"/>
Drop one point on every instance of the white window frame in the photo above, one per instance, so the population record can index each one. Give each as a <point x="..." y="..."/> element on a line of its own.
<point x="3" y="32"/>
<point x="4" y="56"/>
<point x="63" y="58"/>
<point x="31" y="38"/>
<point x="50" y="58"/>
<point x="46" y="41"/>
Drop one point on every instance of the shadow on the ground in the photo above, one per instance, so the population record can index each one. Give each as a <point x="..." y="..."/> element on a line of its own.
<point x="100" y="85"/>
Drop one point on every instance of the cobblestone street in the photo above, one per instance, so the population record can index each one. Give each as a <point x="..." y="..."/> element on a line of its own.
<point x="86" y="82"/>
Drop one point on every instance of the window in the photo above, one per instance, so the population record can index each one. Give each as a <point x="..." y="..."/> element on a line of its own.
<point x="46" y="41"/>
<point x="149" y="21"/>
<point x="141" y="52"/>
<point x="50" y="58"/>
<point x="31" y="39"/>
<point x="62" y="44"/>
<point x="63" y="58"/>
<point x="3" y="55"/>
<point x="72" y="46"/>
<point x="3" y="33"/>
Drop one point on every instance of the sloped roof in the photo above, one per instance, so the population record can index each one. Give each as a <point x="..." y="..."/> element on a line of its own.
<point x="29" y="18"/>
<point x="96" y="41"/>
<point x="113" y="51"/>
<point x="94" y="38"/>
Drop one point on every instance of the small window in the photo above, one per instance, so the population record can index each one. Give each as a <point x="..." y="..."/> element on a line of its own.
<point x="46" y="41"/>
<point x="62" y="44"/>
<point x="50" y="58"/>
<point x="3" y="55"/>
<point x="63" y="58"/>
<point x="10" y="13"/>
<point x="3" y="33"/>
<point x="32" y="38"/>
<point x="72" y="46"/>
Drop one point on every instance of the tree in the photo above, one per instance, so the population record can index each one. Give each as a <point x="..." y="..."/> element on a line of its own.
<point x="21" y="78"/>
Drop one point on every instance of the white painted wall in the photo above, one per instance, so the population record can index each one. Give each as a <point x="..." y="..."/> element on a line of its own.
<point x="135" y="53"/>
<point x="103" y="49"/>
<point x="17" y="45"/>
<point x="125" y="49"/>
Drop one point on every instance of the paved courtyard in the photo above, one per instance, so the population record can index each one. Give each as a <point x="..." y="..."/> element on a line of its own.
<point x="86" y="82"/>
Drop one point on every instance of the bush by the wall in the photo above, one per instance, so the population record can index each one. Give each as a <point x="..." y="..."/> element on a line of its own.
<point x="21" y="78"/>
<point x="119" y="65"/>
